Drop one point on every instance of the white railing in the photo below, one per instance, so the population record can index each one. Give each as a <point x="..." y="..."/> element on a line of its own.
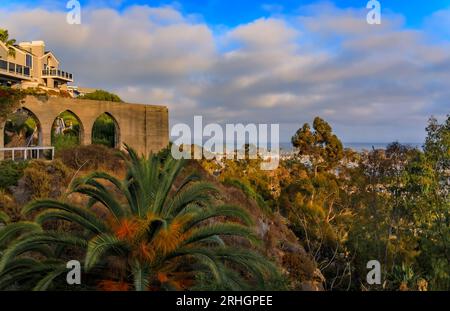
<point x="27" y="153"/>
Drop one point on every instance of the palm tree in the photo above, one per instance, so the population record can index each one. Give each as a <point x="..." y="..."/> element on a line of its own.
<point x="154" y="234"/>
<point x="4" y="37"/>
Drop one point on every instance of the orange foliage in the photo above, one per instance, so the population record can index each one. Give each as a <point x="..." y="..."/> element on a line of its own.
<point x="162" y="277"/>
<point x="127" y="229"/>
<point x="168" y="239"/>
<point x="146" y="252"/>
<point x="113" y="286"/>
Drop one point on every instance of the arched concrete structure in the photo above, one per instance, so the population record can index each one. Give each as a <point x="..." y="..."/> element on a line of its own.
<point x="32" y="115"/>
<point x="80" y="123"/>
<point x="143" y="127"/>
<point x="116" y="129"/>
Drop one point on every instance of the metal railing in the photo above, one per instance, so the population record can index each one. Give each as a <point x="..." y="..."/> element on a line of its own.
<point x="57" y="73"/>
<point x="14" y="69"/>
<point x="26" y="153"/>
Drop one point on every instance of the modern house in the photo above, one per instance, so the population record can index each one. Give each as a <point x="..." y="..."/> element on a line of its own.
<point x="32" y="66"/>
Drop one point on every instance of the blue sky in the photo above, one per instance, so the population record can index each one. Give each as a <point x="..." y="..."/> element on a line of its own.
<point x="258" y="61"/>
<point x="234" y="12"/>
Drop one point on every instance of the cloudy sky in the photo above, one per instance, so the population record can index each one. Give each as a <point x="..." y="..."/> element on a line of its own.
<point x="258" y="62"/>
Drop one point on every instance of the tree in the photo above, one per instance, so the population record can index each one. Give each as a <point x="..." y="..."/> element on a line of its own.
<point x="4" y="37"/>
<point x="314" y="200"/>
<point x="155" y="234"/>
<point x="101" y="95"/>
<point x="430" y="183"/>
<point x="323" y="148"/>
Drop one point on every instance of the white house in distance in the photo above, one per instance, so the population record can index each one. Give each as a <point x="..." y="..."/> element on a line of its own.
<point x="32" y="66"/>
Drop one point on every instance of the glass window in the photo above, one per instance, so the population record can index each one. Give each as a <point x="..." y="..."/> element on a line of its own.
<point x="3" y="65"/>
<point x="29" y="61"/>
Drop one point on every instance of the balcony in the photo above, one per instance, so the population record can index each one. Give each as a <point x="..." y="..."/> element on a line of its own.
<point x="14" y="70"/>
<point x="57" y="74"/>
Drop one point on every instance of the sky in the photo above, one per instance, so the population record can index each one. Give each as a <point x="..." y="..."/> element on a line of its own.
<point x="257" y="62"/>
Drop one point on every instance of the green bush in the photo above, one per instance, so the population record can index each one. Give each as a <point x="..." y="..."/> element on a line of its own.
<point x="43" y="179"/>
<point x="9" y="99"/>
<point x="61" y="142"/>
<point x="11" y="172"/>
<point x="249" y="192"/>
<point x="104" y="131"/>
<point x="102" y="95"/>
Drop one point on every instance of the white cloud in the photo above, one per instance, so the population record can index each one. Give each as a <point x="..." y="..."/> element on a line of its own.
<point x="373" y="83"/>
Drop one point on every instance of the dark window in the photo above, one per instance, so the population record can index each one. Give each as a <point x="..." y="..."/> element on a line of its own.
<point x="3" y="65"/>
<point x="29" y="61"/>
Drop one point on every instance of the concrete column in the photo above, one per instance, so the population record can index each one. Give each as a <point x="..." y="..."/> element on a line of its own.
<point x="87" y="137"/>
<point x="46" y="136"/>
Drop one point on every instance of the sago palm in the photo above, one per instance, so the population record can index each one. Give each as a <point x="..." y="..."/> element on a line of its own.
<point x="152" y="234"/>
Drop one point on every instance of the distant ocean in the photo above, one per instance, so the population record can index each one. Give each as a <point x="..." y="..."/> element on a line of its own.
<point x="359" y="146"/>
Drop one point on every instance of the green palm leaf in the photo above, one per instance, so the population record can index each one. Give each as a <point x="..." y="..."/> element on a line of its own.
<point x="99" y="245"/>
<point x="16" y="229"/>
<point x="4" y="218"/>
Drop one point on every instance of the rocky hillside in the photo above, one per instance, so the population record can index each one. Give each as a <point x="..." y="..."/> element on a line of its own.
<point x="280" y="243"/>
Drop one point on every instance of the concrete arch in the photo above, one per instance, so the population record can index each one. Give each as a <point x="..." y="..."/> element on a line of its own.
<point x="32" y="114"/>
<point x="81" y="135"/>
<point x="3" y="128"/>
<point x="145" y="128"/>
<point x="117" y="141"/>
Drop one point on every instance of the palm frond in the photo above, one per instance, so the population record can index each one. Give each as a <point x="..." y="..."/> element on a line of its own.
<point x="99" y="245"/>
<point x="198" y="193"/>
<point x="82" y="213"/>
<point x="14" y="230"/>
<point x="4" y="218"/>
<point x="220" y="229"/>
<point x="38" y="242"/>
<point x="221" y="211"/>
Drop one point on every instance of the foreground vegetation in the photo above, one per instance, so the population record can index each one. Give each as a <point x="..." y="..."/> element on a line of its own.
<point x="348" y="208"/>
<point x="145" y="223"/>
<point x="148" y="237"/>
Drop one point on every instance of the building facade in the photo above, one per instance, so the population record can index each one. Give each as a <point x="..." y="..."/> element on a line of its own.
<point x="31" y="66"/>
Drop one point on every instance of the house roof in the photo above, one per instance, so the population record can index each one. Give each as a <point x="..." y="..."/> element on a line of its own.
<point x="17" y="47"/>
<point x="50" y="53"/>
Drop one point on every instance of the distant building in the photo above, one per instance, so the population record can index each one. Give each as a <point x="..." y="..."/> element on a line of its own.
<point x="32" y="66"/>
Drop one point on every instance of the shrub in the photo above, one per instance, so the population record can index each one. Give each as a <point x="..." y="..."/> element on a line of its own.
<point x="11" y="172"/>
<point x="61" y="142"/>
<point x="9" y="99"/>
<point x="43" y="179"/>
<point x="102" y="95"/>
<point x="249" y="192"/>
<point x="103" y="131"/>
<point x="9" y="210"/>
<point x="91" y="157"/>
